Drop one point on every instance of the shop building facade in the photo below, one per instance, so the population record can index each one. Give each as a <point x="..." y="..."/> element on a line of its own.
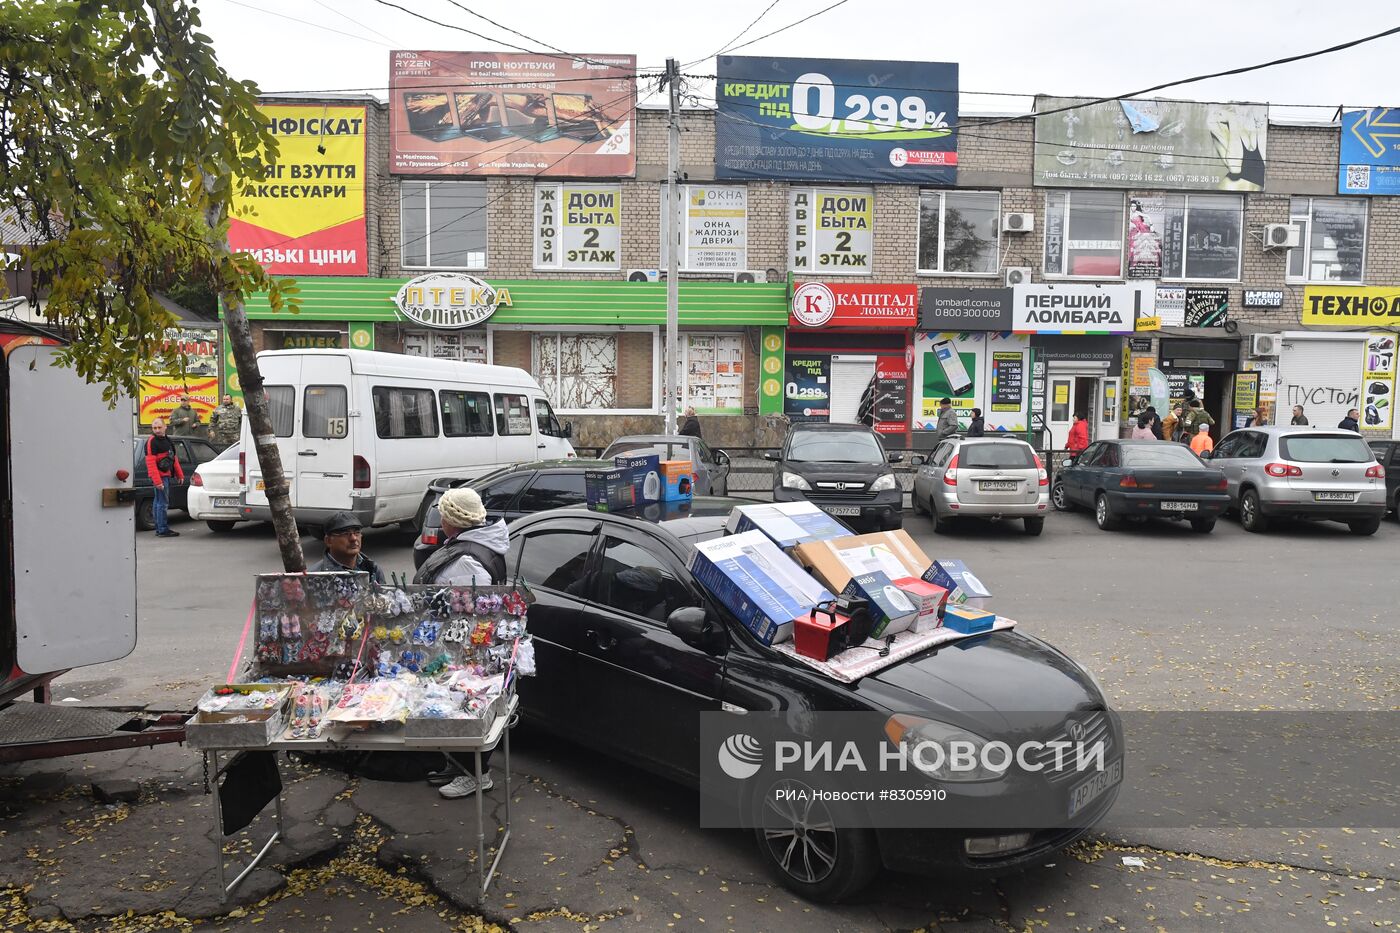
<point x="1214" y="308"/>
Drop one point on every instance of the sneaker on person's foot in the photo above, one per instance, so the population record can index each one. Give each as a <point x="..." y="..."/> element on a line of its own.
<point x="465" y="786"/>
<point x="167" y="534"/>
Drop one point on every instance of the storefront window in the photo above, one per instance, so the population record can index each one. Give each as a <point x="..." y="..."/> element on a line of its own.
<point x="577" y="371"/>
<point x="469" y="346"/>
<point x="959" y="232"/>
<point x="1201" y="239"/>
<point x="1084" y="234"/>
<point x="714" y="372"/>
<point x="1333" y="242"/>
<point x="443" y="224"/>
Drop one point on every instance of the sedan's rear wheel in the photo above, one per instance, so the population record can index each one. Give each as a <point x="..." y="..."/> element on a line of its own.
<point x="808" y="852"/>
<point x="1035" y="525"/>
<point x="1251" y="518"/>
<point x="941" y="525"/>
<point x="1103" y="514"/>
<point x="1203" y="526"/>
<point x="1058" y="497"/>
<point x="145" y="515"/>
<point x="1365" y="526"/>
<point x="220" y="525"/>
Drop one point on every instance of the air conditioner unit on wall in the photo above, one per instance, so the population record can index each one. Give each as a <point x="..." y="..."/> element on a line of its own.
<point x="643" y="275"/>
<point x="751" y="275"/>
<point x="1017" y="275"/>
<point x="1282" y="236"/>
<point x="1264" y="345"/>
<point x="1017" y="223"/>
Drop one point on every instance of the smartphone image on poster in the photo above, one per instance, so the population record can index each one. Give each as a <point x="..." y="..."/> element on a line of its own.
<point x="959" y="382"/>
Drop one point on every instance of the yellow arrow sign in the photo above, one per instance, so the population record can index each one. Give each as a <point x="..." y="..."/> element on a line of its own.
<point x="1375" y="123"/>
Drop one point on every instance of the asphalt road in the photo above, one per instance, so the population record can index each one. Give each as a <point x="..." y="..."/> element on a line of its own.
<point x="1299" y="619"/>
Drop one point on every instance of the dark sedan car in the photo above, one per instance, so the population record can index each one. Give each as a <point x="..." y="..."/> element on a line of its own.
<point x="842" y="469"/>
<point x="508" y="493"/>
<point x="630" y="651"/>
<point x="1388" y="455"/>
<point x="191" y="452"/>
<point x="1141" y="479"/>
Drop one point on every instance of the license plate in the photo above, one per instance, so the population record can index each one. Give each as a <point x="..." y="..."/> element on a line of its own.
<point x="1092" y="789"/>
<point x="998" y="485"/>
<point x="225" y="502"/>
<point x="1180" y="506"/>
<point x="1334" y="496"/>
<point x="841" y="509"/>
<point x="258" y="485"/>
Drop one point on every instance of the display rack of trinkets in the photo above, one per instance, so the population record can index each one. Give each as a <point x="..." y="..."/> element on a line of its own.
<point x="434" y="660"/>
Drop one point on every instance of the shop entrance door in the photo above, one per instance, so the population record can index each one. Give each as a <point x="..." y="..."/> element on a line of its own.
<point x="1071" y="396"/>
<point x="1061" y="408"/>
<point x="1110" y="402"/>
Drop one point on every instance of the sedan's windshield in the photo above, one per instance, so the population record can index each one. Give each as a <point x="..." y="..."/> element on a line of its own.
<point x="835" y="447"/>
<point x="1325" y="448"/>
<point x="1148" y="456"/>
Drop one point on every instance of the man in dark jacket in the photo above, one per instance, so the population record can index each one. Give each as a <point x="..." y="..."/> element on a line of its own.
<point x="977" y="427"/>
<point x="162" y="464"/>
<point x="1350" y="423"/>
<point x="342" y="535"/>
<point x="691" y="427"/>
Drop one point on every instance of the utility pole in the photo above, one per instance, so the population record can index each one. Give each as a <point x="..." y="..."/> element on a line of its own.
<point x="673" y="239"/>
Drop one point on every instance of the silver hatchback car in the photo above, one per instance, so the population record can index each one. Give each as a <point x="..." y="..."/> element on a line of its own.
<point x="1280" y="471"/>
<point x="983" y="477"/>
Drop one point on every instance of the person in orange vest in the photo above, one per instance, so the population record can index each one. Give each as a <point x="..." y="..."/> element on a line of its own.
<point x="1078" y="435"/>
<point x="1202" y="442"/>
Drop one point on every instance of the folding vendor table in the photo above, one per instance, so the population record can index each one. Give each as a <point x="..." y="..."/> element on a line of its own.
<point x="339" y="738"/>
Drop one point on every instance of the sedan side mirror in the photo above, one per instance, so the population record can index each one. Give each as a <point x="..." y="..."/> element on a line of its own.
<point x="771" y="455"/>
<point x="692" y="625"/>
<point x="918" y="460"/>
<point x="1069" y="461"/>
<point x="896" y="457"/>
<point x="1205" y="454"/>
<point x="721" y="458"/>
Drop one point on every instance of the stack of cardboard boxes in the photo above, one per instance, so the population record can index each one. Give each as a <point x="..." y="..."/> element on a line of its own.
<point x="782" y="562"/>
<point x="639" y="480"/>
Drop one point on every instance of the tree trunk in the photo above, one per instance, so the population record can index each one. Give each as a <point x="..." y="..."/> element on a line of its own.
<point x="245" y="358"/>
<point x="240" y="339"/>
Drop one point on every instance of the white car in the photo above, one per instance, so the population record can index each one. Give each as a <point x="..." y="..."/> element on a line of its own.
<point x="213" y="493"/>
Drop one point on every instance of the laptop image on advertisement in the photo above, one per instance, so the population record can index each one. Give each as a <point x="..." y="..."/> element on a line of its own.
<point x="578" y="118"/>
<point x="479" y="115"/>
<point x="430" y="115"/>
<point x="528" y="115"/>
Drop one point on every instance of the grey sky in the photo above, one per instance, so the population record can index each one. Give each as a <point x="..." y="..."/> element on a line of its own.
<point x="1071" y="47"/>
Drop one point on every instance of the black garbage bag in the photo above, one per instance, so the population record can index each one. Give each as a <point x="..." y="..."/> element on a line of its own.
<point x="250" y="783"/>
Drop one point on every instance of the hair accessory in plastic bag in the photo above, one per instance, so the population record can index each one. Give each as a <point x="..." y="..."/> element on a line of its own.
<point x="488" y="604"/>
<point x="514" y="603"/>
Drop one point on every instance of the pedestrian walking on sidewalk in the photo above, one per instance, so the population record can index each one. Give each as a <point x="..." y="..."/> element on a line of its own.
<point x="161" y="466"/>
<point x="1202" y="443"/>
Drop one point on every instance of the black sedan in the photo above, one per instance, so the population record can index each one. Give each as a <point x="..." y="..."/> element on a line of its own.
<point x="508" y="493"/>
<point x="631" y="650"/>
<point x="1141" y="479"/>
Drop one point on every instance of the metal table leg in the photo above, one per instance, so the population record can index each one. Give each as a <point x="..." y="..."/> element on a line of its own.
<point x="227" y="889"/>
<point x="505" y="838"/>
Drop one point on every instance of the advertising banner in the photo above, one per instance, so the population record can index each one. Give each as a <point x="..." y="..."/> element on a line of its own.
<point x="770" y="384"/>
<point x="891" y="395"/>
<point x="1246" y="398"/>
<point x="1350" y="306"/>
<point x="1170" y="308"/>
<point x="1263" y="298"/>
<point x="1150" y="144"/>
<point x="1146" y="219"/>
<point x="503" y="113"/>
<point x="1369" y="160"/>
<point x="1378" y="382"/>
<point x="840" y="304"/>
<point x="965" y="309"/>
<point x="831" y="230"/>
<point x="163" y="382"/>
<point x="303" y="339"/>
<point x="976" y="370"/>
<point x="807" y="396"/>
<point x="715" y="219"/>
<point x="1079" y="309"/>
<point x="819" y="119"/>
<point x="306" y="214"/>
<point x="578" y="227"/>
<point x="1207" y="307"/>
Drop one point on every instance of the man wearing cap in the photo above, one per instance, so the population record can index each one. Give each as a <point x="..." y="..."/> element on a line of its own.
<point x="472" y="553"/>
<point x="342" y="537"/>
<point x="947" y="421"/>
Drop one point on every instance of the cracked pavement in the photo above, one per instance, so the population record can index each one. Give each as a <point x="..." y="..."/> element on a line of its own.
<point x="1166" y="618"/>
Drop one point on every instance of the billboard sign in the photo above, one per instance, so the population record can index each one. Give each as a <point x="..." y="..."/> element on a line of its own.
<point x="843" y="120"/>
<point x="306" y="214"/>
<point x="167" y="377"/>
<point x="715" y="221"/>
<point x="1079" y="309"/>
<point x="449" y="300"/>
<point x="807" y="396"/>
<point x="1174" y="144"/>
<point x="965" y="308"/>
<point x="502" y="113"/>
<point x="839" y="304"/>
<point x="1370" y="152"/>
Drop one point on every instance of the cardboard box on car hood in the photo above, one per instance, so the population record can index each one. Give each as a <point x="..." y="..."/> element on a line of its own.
<point x="834" y="562"/>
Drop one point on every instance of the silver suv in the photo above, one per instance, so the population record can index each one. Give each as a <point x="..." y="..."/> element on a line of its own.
<point x="1298" y="472"/>
<point x="983" y="477"/>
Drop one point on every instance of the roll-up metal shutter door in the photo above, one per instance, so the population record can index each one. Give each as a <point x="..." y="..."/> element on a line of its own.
<point x="849" y="377"/>
<point x="1324" y="376"/>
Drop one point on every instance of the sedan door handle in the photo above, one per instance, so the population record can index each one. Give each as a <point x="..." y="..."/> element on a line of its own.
<point x="306" y="453"/>
<point x="603" y="640"/>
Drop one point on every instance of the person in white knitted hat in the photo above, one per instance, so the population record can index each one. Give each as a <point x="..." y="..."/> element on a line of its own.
<point x="473" y="552"/>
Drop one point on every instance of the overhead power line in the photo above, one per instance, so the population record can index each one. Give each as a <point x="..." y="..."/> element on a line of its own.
<point x="305" y="22"/>
<point x="743" y="32"/>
